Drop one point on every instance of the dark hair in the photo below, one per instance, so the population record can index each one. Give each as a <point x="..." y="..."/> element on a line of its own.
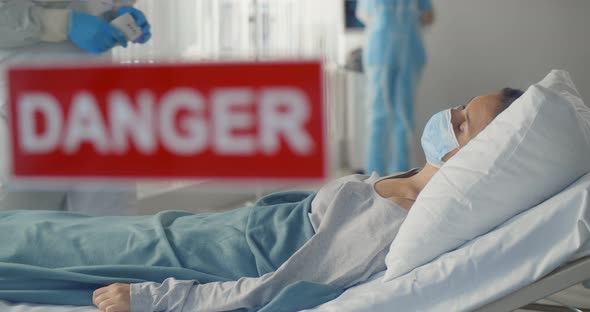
<point x="509" y="95"/>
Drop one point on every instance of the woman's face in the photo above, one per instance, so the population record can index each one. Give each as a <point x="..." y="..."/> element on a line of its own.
<point x="470" y="119"/>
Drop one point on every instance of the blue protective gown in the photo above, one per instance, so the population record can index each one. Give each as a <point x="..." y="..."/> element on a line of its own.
<point x="393" y="59"/>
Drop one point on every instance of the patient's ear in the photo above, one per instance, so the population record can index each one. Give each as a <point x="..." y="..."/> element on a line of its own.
<point x="450" y="154"/>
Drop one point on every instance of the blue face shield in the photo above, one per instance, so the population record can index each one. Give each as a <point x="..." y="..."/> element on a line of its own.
<point x="439" y="138"/>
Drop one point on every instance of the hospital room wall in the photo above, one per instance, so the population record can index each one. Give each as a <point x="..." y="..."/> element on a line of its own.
<point x="474" y="47"/>
<point x="478" y="46"/>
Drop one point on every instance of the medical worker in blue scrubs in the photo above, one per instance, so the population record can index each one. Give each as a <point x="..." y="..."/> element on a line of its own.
<point x="49" y="31"/>
<point x="393" y="59"/>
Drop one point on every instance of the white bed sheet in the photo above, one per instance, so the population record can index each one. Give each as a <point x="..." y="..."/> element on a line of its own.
<point x="8" y="307"/>
<point x="515" y="254"/>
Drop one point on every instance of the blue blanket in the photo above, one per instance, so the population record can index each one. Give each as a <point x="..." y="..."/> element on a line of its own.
<point x="61" y="258"/>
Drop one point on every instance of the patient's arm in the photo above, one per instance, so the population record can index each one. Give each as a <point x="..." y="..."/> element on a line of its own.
<point x="113" y="298"/>
<point x="340" y="258"/>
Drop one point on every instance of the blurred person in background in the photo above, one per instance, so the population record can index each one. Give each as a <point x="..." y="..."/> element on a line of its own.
<point x="49" y="31"/>
<point x="393" y="59"/>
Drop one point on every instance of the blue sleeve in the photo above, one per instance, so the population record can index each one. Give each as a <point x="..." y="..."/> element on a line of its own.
<point x="425" y="5"/>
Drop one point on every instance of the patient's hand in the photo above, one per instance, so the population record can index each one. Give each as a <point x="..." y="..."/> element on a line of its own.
<point x="113" y="298"/>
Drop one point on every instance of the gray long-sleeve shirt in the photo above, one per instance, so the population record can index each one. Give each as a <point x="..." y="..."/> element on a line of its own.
<point x="354" y="227"/>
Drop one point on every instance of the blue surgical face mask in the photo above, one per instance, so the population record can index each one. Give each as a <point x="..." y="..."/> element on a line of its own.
<point x="439" y="138"/>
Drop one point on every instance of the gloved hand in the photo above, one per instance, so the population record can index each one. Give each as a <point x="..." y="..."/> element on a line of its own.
<point x="93" y="34"/>
<point x="141" y="21"/>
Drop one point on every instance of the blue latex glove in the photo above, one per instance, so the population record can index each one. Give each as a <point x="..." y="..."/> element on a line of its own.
<point x="93" y="34"/>
<point x="141" y="21"/>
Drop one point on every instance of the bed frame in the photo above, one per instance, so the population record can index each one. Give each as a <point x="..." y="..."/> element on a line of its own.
<point x="563" y="277"/>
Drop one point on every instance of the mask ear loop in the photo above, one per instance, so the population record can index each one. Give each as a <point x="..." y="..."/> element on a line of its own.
<point x="453" y="151"/>
<point x="451" y="131"/>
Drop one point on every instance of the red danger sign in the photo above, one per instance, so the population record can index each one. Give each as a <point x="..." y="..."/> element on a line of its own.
<point x="227" y="121"/>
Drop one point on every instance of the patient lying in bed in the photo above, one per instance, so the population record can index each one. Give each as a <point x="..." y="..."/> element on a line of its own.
<point x="291" y="250"/>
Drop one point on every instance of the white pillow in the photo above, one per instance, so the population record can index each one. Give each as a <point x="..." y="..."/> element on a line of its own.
<point x="530" y="152"/>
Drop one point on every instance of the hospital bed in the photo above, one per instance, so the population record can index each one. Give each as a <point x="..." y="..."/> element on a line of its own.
<point x="502" y="270"/>
<point x="501" y="305"/>
<point x="533" y="255"/>
<point x="566" y="276"/>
